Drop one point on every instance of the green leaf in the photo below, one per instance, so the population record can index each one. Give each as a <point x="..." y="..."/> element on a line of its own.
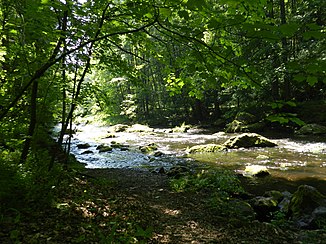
<point x="297" y="121"/>
<point x="299" y="77"/>
<point x="289" y="30"/>
<point x="312" y="80"/>
<point x="291" y="103"/>
<point x="313" y="34"/>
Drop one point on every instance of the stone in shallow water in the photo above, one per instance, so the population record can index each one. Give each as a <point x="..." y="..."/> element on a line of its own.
<point x="248" y="140"/>
<point x="206" y="148"/>
<point x="256" y="170"/>
<point x="83" y="146"/>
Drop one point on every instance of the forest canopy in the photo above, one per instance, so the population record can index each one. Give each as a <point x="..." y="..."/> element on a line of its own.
<point x="159" y="62"/>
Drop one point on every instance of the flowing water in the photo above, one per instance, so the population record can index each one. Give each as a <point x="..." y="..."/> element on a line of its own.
<point x="294" y="159"/>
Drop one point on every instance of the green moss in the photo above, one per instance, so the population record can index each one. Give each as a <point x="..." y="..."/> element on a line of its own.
<point x="206" y="148"/>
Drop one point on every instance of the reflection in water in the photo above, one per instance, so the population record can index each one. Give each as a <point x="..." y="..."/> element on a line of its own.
<point x="293" y="159"/>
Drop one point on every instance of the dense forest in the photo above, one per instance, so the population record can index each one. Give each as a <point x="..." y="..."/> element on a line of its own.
<point x="157" y="62"/>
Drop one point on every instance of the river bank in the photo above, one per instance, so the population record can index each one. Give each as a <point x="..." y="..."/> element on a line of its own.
<point x="136" y="206"/>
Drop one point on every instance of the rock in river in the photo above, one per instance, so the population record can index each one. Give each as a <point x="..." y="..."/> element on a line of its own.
<point x="312" y="129"/>
<point x="247" y="140"/>
<point x="206" y="148"/>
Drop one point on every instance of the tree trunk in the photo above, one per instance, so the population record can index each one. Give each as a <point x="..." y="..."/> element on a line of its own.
<point x="32" y="124"/>
<point x="286" y="91"/>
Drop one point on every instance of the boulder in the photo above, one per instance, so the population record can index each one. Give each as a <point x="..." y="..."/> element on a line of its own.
<point x="207" y="148"/>
<point x="87" y="152"/>
<point x="118" y="128"/>
<point x="312" y="129"/>
<point x="247" y="140"/>
<point x="264" y="207"/>
<point x="307" y="207"/>
<point x="256" y="171"/>
<point x="104" y="148"/>
<point x="140" y="128"/>
<point x="83" y="146"/>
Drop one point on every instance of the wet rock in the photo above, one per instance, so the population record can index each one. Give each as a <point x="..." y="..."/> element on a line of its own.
<point x="140" y="128"/>
<point x="157" y="154"/>
<point x="311" y="129"/>
<point x="256" y="171"/>
<point x="87" y="152"/>
<point x="284" y="204"/>
<point x="248" y="140"/>
<point x="307" y="207"/>
<point x="149" y="148"/>
<point x="124" y="148"/>
<point x="104" y="148"/>
<point x="118" y="128"/>
<point x="207" y="148"/>
<point x="120" y="146"/>
<point x="83" y="146"/>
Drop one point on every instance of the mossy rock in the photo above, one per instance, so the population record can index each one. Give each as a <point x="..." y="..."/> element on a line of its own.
<point x="304" y="205"/>
<point x="239" y="126"/>
<point x="207" y="148"/>
<point x="149" y="148"/>
<point x="256" y="171"/>
<point x="248" y="140"/>
<point x="312" y="129"/>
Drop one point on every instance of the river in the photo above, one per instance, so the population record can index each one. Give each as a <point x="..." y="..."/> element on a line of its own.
<point x="295" y="159"/>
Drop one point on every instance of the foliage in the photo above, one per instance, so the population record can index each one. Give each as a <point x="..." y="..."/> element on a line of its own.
<point x="217" y="180"/>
